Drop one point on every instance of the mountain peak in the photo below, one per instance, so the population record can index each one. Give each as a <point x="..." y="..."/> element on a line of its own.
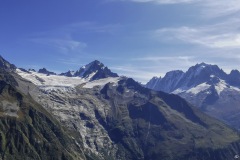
<point x="235" y="72"/>
<point x="202" y="64"/>
<point x="95" y="70"/>
<point x="45" y="71"/>
<point x="167" y="83"/>
<point x="195" y="75"/>
<point x="199" y="67"/>
<point x="96" y="62"/>
<point x="91" y="71"/>
<point x="205" y="70"/>
<point x="6" y="65"/>
<point x="68" y="73"/>
<point x="234" y="78"/>
<point x="174" y="73"/>
<point x="205" y="66"/>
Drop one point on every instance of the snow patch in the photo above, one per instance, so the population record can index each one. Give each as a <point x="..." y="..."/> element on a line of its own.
<point x="212" y="76"/>
<point x="40" y="79"/>
<point x="102" y="82"/>
<point x="177" y="91"/>
<point x="198" y="88"/>
<point x="222" y="85"/>
<point x="91" y="75"/>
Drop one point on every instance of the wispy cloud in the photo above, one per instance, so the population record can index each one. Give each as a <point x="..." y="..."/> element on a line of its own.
<point x="142" y="75"/>
<point x="222" y="35"/>
<point x="93" y="27"/>
<point x="70" y="62"/>
<point x="67" y="39"/>
<point x="64" y="46"/>
<point x="212" y="8"/>
<point x="208" y="8"/>
<point x="163" y="1"/>
<point x="159" y="1"/>
<point x="165" y="58"/>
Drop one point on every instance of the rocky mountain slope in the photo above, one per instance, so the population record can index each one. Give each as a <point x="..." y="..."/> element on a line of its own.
<point x="28" y="131"/>
<point x="207" y="87"/>
<point x="120" y="119"/>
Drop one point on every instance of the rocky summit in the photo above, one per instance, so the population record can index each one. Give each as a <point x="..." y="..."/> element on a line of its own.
<point x="92" y="71"/>
<point x="6" y="65"/>
<point x="45" y="71"/>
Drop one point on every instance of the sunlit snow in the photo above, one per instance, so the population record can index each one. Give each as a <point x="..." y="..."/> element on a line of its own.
<point x="63" y="83"/>
<point x="198" y="88"/>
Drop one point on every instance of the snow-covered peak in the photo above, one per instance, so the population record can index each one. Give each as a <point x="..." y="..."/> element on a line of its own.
<point x="91" y="67"/>
<point x="95" y="70"/>
<point x="92" y="71"/>
<point x="178" y="80"/>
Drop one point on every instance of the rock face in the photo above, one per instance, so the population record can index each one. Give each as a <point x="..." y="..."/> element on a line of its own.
<point x="6" y="65"/>
<point x="68" y="74"/>
<point x="28" y="131"/>
<point x="234" y="78"/>
<point x="45" y="71"/>
<point x="207" y="87"/>
<point x="169" y="83"/>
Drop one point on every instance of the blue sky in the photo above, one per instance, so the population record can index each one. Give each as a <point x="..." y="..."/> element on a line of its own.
<point x="136" y="38"/>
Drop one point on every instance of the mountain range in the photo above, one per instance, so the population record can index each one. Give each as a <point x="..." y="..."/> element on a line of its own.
<point x="95" y="114"/>
<point x="207" y="87"/>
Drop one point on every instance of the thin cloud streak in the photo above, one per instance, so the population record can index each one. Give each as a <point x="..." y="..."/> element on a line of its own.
<point x="163" y="58"/>
<point x="92" y="27"/>
<point x="225" y="37"/>
<point x="163" y="1"/>
<point x="64" y="46"/>
<point x="208" y="8"/>
<point x="212" y="8"/>
<point x="65" y="40"/>
<point x="135" y="73"/>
